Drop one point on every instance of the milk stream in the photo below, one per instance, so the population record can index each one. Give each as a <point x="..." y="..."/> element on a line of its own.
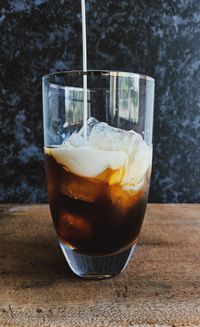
<point x="84" y="47"/>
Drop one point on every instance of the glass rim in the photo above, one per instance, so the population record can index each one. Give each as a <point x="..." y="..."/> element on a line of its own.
<point x="100" y="73"/>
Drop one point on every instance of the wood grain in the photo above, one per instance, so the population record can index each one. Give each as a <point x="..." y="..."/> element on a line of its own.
<point x="160" y="286"/>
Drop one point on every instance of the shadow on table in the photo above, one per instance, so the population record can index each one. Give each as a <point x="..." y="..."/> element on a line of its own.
<point x="34" y="263"/>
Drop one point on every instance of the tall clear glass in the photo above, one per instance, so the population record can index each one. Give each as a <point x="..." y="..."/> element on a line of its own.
<point x="98" y="187"/>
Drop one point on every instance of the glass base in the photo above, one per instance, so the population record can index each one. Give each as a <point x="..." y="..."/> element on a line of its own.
<point x="96" y="267"/>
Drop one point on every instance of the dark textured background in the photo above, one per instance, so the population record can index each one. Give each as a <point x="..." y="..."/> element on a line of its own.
<point x="158" y="38"/>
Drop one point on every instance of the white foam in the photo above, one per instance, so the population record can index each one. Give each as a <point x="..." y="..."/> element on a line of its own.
<point x="107" y="147"/>
<point x="87" y="161"/>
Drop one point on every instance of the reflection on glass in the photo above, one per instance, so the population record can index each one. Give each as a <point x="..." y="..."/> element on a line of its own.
<point x="74" y="105"/>
<point x="124" y="99"/>
<point x="128" y="99"/>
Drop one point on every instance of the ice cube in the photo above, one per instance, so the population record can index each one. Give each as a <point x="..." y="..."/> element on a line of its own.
<point x="73" y="225"/>
<point x="76" y="139"/>
<point x="105" y="137"/>
<point x="91" y="122"/>
<point x="81" y="188"/>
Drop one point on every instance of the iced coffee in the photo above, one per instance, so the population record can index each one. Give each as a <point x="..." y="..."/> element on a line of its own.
<point x="98" y="188"/>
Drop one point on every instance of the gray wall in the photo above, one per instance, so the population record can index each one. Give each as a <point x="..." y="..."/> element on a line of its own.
<point x="158" y="38"/>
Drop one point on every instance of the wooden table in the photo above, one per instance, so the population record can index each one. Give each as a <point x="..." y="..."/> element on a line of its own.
<point x="160" y="286"/>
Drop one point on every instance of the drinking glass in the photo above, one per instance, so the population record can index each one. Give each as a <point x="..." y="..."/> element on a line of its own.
<point x="97" y="205"/>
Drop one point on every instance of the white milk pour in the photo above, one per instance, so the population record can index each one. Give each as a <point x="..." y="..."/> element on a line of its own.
<point x="84" y="47"/>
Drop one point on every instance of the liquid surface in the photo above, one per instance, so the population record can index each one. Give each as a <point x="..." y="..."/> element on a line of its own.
<point x="124" y="152"/>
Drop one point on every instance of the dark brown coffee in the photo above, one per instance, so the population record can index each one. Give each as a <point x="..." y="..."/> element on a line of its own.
<point x="92" y="216"/>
